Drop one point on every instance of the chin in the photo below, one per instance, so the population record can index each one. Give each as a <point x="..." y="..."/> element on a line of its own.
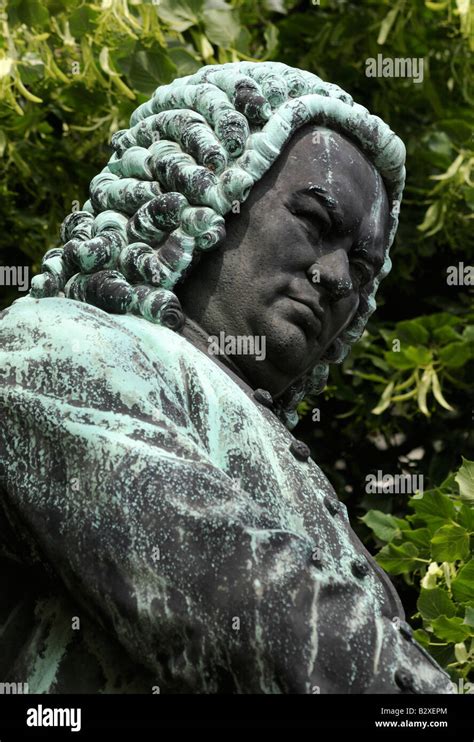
<point x="292" y="356"/>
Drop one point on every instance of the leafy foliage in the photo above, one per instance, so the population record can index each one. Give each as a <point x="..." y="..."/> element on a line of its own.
<point x="72" y="72"/>
<point x="432" y="549"/>
<point x="406" y="364"/>
<point x="70" y="76"/>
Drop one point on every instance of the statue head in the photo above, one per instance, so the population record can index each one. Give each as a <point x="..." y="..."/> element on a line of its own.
<point x="262" y="197"/>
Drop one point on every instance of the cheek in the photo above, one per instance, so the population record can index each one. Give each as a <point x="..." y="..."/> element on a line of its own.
<point x="344" y="310"/>
<point x="274" y="252"/>
<point x="279" y="237"/>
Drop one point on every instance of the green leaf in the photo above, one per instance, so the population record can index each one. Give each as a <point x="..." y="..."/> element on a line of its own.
<point x="469" y="616"/>
<point x="185" y="62"/>
<point x="31" y="73"/>
<point x="433" y="220"/>
<point x="148" y="68"/>
<point x="271" y="38"/>
<point x="452" y="169"/>
<point x="411" y="332"/>
<point x="439" y="143"/>
<point x="368" y="377"/>
<point x="437" y="392"/>
<point x="445" y="335"/>
<point x="443" y="655"/>
<point x="419" y="355"/>
<point x="203" y="45"/>
<point x="30" y="12"/>
<point x="460" y="652"/>
<point x="437" y="7"/>
<point x="387" y="24"/>
<point x="275" y="6"/>
<point x="423" y="389"/>
<point x="468" y="333"/>
<point x="450" y="543"/>
<point x="455" y="355"/>
<point x="448" y="485"/>
<point x="439" y="319"/>
<point x="398" y="559"/>
<point x="463" y="583"/>
<point x="383" y="525"/>
<point x="380" y="363"/>
<point x="434" y="603"/>
<point x="385" y="399"/>
<point x="433" y="508"/>
<point x="180" y="14"/>
<point x="465" y="516"/>
<point x="422" y="637"/>
<point x="465" y="480"/>
<point x="222" y="27"/>
<point x="399" y="360"/>
<point x="421" y="537"/>
<point x="451" y="629"/>
<point x="82" y="21"/>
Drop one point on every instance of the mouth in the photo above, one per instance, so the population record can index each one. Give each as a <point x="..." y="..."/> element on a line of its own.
<point x="312" y="312"/>
<point x="311" y="303"/>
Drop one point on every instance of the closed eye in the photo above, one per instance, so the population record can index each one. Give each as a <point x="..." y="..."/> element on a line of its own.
<point x="362" y="272"/>
<point x="315" y="225"/>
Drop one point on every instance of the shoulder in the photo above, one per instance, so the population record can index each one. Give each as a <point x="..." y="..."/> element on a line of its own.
<point x="60" y="322"/>
<point x="57" y="346"/>
<point x="64" y="347"/>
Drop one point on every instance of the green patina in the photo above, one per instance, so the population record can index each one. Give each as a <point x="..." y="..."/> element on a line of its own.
<point x="192" y="152"/>
<point x="122" y="438"/>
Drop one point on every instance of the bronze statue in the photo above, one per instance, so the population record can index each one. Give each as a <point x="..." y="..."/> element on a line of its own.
<point x="174" y="534"/>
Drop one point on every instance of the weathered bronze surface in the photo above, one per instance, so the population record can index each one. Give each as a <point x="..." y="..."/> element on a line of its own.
<point x="161" y="527"/>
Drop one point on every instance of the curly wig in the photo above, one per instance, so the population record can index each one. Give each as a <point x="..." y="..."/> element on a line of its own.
<point x="192" y="152"/>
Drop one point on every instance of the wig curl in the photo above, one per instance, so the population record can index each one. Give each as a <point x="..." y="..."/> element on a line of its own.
<point x="192" y="152"/>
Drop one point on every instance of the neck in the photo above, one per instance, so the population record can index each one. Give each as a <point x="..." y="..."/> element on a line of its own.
<point x="200" y="339"/>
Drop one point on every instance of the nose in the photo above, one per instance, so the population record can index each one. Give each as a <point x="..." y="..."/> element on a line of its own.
<point x="331" y="271"/>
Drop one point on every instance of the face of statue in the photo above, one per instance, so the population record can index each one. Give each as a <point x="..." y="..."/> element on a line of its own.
<point x="308" y="239"/>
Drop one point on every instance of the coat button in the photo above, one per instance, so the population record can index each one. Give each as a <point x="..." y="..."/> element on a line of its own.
<point x="406" y="630"/>
<point x="405" y="680"/>
<point x="360" y="569"/>
<point x="300" y="450"/>
<point x="331" y="505"/>
<point x="264" y="397"/>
